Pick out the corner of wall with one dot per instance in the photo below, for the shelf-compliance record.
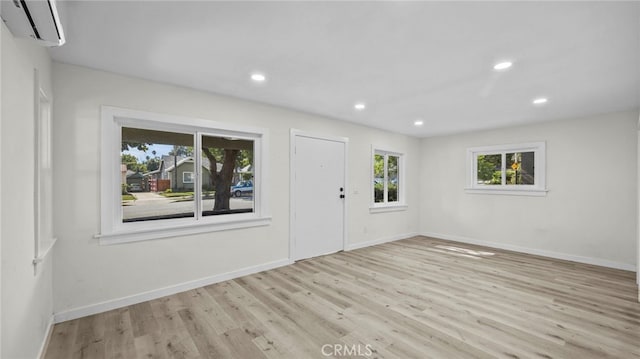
(2, 30)
(567, 223)
(638, 209)
(26, 296)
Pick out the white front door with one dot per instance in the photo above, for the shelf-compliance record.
(318, 175)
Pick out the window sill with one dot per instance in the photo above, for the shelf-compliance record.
(508, 192)
(197, 228)
(388, 208)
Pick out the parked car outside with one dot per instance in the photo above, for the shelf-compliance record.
(241, 188)
(135, 187)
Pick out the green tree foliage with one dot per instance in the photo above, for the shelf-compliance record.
(392, 174)
(490, 169)
(132, 163)
(129, 160)
(126, 145)
(378, 166)
(181, 151)
(378, 175)
(152, 163)
(245, 158)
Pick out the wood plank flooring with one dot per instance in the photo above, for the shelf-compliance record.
(415, 298)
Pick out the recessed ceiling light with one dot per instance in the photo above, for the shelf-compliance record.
(258, 77)
(502, 65)
(418, 122)
(540, 101)
(359, 106)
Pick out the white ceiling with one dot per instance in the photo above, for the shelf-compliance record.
(405, 60)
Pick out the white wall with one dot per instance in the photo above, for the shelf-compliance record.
(86, 273)
(589, 213)
(1, 36)
(27, 300)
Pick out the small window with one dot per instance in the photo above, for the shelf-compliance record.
(187, 177)
(507, 169)
(387, 180)
(176, 176)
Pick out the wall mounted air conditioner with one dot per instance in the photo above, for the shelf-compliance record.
(37, 19)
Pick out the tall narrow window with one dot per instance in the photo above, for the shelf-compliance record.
(175, 175)
(378, 178)
(387, 179)
(393, 162)
(43, 191)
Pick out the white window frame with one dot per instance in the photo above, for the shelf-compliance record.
(400, 205)
(114, 231)
(190, 175)
(43, 174)
(537, 189)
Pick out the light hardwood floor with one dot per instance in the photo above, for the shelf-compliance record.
(415, 298)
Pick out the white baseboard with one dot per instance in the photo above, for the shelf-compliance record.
(540, 252)
(162, 292)
(398, 237)
(47, 338)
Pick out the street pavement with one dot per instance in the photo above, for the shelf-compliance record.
(149, 204)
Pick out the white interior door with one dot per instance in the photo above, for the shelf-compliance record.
(318, 176)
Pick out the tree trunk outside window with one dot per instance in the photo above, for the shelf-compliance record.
(222, 180)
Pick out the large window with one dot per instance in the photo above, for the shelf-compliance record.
(507, 169)
(387, 180)
(166, 176)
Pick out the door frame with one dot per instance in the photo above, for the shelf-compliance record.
(292, 170)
